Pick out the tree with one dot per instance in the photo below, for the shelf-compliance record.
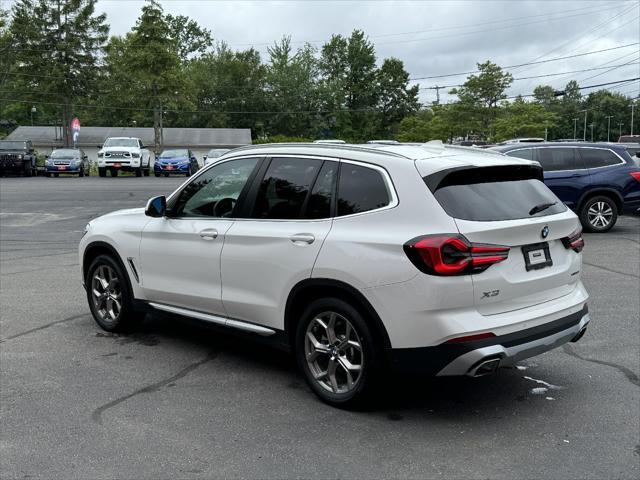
(187, 36)
(523, 119)
(480, 95)
(57, 43)
(292, 86)
(396, 99)
(348, 68)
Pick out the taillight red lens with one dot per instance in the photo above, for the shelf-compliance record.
(472, 338)
(635, 175)
(452, 254)
(574, 241)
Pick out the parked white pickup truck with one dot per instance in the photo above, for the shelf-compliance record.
(124, 153)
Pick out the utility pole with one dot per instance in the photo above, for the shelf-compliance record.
(609, 117)
(633, 105)
(157, 121)
(584, 131)
(437, 89)
(575, 128)
(591, 125)
(620, 124)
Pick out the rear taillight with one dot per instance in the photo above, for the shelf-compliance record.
(635, 175)
(574, 241)
(452, 254)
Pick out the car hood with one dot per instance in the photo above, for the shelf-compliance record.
(124, 212)
(119, 149)
(173, 159)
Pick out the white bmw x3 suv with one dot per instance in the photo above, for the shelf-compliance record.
(444, 260)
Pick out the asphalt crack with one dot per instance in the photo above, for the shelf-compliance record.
(611, 270)
(627, 372)
(42, 327)
(154, 387)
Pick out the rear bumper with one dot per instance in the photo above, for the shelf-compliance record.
(449, 359)
(55, 169)
(632, 206)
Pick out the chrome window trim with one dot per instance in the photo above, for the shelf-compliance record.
(622, 161)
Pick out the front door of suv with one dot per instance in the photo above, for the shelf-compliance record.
(180, 253)
(275, 245)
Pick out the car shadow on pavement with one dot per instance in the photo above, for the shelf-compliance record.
(494, 396)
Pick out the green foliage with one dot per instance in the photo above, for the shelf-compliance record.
(282, 139)
(523, 119)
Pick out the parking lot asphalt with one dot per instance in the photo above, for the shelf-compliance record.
(177, 401)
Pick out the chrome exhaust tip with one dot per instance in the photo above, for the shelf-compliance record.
(486, 367)
(579, 335)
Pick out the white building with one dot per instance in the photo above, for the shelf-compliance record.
(199, 140)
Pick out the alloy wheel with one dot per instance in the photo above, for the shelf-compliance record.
(333, 352)
(600, 215)
(106, 293)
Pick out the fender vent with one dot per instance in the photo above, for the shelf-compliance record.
(133, 268)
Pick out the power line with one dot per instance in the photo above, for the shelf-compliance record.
(529, 63)
(628, 80)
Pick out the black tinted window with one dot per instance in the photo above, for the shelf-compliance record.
(360, 189)
(558, 159)
(214, 193)
(526, 153)
(284, 188)
(319, 203)
(595, 157)
(493, 193)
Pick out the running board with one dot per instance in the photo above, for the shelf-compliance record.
(223, 321)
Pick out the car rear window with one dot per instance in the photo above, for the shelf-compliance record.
(488, 194)
(360, 189)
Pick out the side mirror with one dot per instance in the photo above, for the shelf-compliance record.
(204, 157)
(156, 207)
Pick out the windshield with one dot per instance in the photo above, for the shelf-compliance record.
(629, 139)
(217, 152)
(65, 154)
(174, 153)
(13, 146)
(121, 142)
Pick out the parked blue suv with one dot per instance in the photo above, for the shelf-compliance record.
(181, 161)
(599, 181)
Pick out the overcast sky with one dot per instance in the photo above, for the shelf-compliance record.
(436, 37)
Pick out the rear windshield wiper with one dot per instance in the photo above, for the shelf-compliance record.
(541, 207)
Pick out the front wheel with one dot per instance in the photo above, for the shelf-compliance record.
(102, 172)
(109, 296)
(598, 214)
(337, 353)
(28, 171)
(139, 172)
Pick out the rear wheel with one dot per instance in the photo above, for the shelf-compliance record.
(109, 296)
(336, 351)
(102, 172)
(599, 214)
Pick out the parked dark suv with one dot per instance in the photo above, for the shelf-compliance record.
(17, 156)
(599, 181)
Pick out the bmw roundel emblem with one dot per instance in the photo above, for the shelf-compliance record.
(545, 232)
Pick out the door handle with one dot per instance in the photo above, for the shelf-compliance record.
(302, 238)
(209, 234)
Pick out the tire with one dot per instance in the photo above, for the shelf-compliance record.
(102, 172)
(114, 172)
(337, 390)
(28, 170)
(146, 172)
(139, 172)
(599, 214)
(81, 172)
(109, 295)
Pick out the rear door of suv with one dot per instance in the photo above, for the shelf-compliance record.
(276, 239)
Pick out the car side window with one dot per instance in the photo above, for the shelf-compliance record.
(284, 188)
(360, 189)
(322, 193)
(596, 157)
(215, 192)
(526, 153)
(555, 159)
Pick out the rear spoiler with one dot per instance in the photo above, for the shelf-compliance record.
(473, 174)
